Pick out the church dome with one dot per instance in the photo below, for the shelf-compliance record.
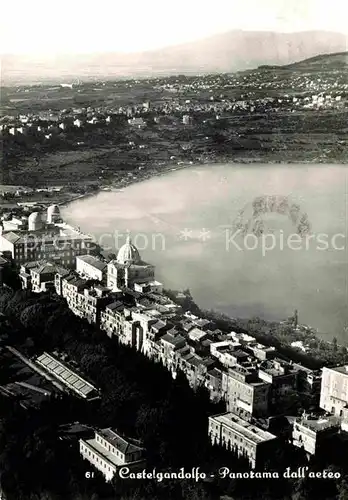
(34, 217)
(35, 221)
(53, 213)
(128, 253)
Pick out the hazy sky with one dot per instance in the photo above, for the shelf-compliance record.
(39, 26)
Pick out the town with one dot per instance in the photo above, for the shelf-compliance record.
(266, 401)
(128, 130)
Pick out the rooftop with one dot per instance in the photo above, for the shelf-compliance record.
(122, 444)
(317, 424)
(248, 430)
(340, 369)
(93, 261)
(214, 372)
(173, 340)
(45, 268)
(197, 334)
(104, 453)
(66, 375)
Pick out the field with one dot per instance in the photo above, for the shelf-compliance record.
(265, 115)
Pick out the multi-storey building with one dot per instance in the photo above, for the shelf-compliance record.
(46, 240)
(85, 301)
(308, 384)
(310, 432)
(194, 367)
(108, 451)
(244, 392)
(230, 356)
(90, 267)
(234, 433)
(153, 347)
(213, 383)
(38, 276)
(3, 264)
(170, 344)
(197, 335)
(283, 380)
(113, 318)
(261, 352)
(334, 390)
(59, 278)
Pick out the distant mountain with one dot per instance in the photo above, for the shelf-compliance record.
(227, 52)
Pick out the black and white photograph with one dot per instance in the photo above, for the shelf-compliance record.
(174, 250)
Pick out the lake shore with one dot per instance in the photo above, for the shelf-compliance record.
(210, 200)
(145, 174)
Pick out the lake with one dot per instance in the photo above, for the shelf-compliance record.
(291, 252)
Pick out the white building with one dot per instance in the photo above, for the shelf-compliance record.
(334, 390)
(310, 432)
(232, 432)
(108, 451)
(45, 238)
(90, 267)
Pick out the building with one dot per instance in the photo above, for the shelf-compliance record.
(42, 240)
(311, 433)
(197, 335)
(234, 433)
(187, 120)
(283, 380)
(90, 267)
(83, 298)
(38, 276)
(244, 392)
(213, 383)
(194, 367)
(108, 451)
(69, 379)
(61, 273)
(137, 122)
(261, 351)
(3, 264)
(150, 286)
(113, 318)
(15, 224)
(128, 269)
(229, 354)
(334, 390)
(171, 344)
(309, 384)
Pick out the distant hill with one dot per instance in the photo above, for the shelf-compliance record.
(338, 60)
(223, 53)
(327, 62)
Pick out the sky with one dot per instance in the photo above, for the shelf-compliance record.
(81, 26)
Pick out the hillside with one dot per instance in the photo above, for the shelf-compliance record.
(338, 60)
(223, 53)
(322, 62)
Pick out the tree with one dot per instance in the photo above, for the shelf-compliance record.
(342, 489)
(10, 278)
(34, 316)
